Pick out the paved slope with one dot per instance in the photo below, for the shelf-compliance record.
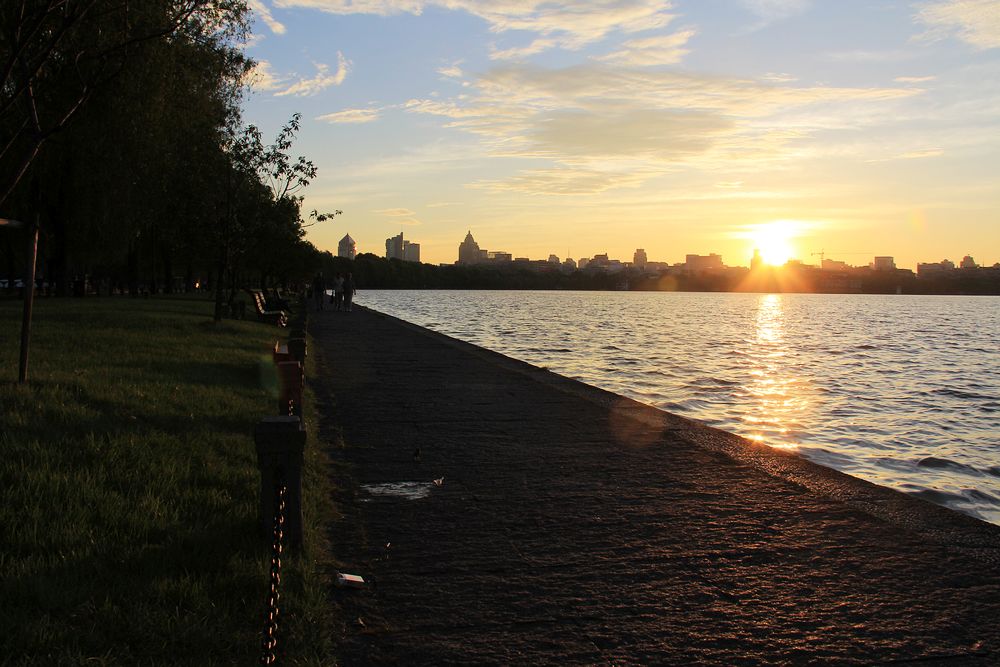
(574, 527)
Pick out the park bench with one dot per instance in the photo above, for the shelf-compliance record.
(265, 314)
(280, 352)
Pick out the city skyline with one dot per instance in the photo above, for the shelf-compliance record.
(856, 129)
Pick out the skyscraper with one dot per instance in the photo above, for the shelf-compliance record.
(639, 259)
(468, 250)
(347, 247)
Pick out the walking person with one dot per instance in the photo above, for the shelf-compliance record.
(349, 290)
(338, 292)
(319, 290)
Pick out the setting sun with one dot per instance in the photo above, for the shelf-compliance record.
(773, 239)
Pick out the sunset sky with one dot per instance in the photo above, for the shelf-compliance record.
(854, 128)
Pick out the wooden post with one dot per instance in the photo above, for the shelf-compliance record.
(29, 299)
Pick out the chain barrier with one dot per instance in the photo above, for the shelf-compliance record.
(269, 655)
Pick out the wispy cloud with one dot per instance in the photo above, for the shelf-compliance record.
(395, 212)
(452, 71)
(350, 116)
(976, 22)
(261, 9)
(660, 50)
(570, 24)
(519, 52)
(603, 126)
(911, 155)
(322, 80)
(914, 79)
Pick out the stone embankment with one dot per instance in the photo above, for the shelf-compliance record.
(571, 526)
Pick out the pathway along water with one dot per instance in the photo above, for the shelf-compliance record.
(903, 391)
(565, 525)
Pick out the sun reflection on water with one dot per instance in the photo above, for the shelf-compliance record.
(777, 397)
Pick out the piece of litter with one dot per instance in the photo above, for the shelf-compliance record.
(350, 580)
(439, 481)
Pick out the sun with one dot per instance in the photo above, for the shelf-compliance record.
(773, 239)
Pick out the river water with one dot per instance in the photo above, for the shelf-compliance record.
(903, 391)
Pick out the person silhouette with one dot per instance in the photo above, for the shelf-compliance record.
(349, 290)
(319, 290)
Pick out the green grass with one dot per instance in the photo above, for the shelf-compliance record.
(129, 490)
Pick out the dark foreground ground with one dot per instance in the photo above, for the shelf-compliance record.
(574, 527)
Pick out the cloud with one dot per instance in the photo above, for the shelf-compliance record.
(321, 81)
(976, 22)
(442, 204)
(408, 222)
(262, 77)
(595, 123)
(451, 71)
(570, 24)
(661, 50)
(261, 9)
(351, 116)
(914, 79)
(395, 212)
(519, 52)
(911, 155)
(562, 181)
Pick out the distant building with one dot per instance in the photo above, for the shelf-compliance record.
(394, 247)
(347, 247)
(468, 251)
(832, 265)
(499, 257)
(582, 264)
(756, 261)
(639, 259)
(569, 264)
(928, 269)
(553, 259)
(398, 248)
(411, 251)
(968, 263)
(883, 264)
(697, 263)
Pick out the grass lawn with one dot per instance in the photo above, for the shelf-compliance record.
(129, 490)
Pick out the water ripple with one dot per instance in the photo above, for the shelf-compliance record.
(900, 390)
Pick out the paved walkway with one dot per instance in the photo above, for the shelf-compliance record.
(574, 527)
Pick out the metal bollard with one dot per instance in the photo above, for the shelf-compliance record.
(280, 443)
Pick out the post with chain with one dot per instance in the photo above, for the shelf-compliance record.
(280, 442)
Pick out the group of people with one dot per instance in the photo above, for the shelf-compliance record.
(341, 294)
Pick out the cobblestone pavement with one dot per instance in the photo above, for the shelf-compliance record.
(575, 527)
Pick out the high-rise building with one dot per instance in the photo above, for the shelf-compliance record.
(883, 264)
(553, 259)
(639, 258)
(411, 251)
(468, 251)
(582, 264)
(394, 247)
(347, 247)
(756, 261)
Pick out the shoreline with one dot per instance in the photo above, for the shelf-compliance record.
(881, 501)
(576, 526)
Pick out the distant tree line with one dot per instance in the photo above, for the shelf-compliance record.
(121, 135)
